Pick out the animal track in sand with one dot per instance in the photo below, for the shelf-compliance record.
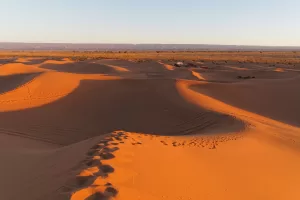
(210, 142)
(90, 183)
(198, 141)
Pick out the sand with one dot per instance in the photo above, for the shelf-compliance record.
(114, 129)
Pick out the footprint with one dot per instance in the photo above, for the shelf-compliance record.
(106, 195)
(105, 141)
(84, 180)
(97, 146)
(106, 169)
(110, 192)
(91, 181)
(92, 152)
(97, 196)
(213, 146)
(93, 162)
(106, 155)
(134, 143)
(100, 181)
(117, 138)
(114, 143)
(108, 184)
(113, 149)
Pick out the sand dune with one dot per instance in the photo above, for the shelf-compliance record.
(166, 114)
(198, 75)
(118, 68)
(43, 89)
(30, 61)
(19, 68)
(279, 94)
(113, 129)
(167, 66)
(79, 68)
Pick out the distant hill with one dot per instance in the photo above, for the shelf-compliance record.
(137, 47)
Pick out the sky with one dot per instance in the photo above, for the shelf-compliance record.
(233, 22)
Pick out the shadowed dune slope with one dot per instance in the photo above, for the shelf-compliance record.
(230, 75)
(32, 170)
(30, 61)
(149, 106)
(10, 82)
(151, 69)
(276, 99)
(79, 68)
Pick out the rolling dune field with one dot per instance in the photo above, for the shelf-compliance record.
(103, 129)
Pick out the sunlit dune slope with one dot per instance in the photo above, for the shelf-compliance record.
(19, 68)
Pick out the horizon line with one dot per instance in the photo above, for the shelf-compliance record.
(245, 45)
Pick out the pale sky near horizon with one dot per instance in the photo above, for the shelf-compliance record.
(237, 22)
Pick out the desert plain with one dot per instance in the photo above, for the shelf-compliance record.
(124, 125)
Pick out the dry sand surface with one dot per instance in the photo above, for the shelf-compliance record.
(116, 129)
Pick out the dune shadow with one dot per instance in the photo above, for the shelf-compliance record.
(35, 61)
(29, 61)
(97, 107)
(84, 67)
(6, 60)
(261, 98)
(149, 67)
(11, 82)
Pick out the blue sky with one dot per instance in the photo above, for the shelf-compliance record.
(251, 22)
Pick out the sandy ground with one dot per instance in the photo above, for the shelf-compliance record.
(114, 129)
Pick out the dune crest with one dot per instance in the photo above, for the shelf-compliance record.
(19, 68)
(44, 89)
(198, 75)
(118, 68)
(167, 66)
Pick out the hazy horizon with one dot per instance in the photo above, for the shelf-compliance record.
(139, 47)
(95, 43)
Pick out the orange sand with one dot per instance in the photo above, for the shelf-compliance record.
(113, 129)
